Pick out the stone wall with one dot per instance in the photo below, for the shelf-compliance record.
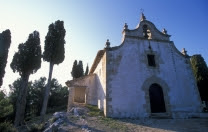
(100, 72)
(129, 77)
(89, 84)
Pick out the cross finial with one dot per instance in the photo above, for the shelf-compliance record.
(142, 17)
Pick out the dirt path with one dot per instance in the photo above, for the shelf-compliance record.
(97, 124)
(93, 122)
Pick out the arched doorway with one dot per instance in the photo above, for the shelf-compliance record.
(157, 102)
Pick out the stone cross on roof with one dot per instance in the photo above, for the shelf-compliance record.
(142, 17)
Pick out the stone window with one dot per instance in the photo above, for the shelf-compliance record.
(151, 60)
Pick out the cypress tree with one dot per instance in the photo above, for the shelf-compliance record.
(5, 41)
(201, 74)
(74, 70)
(54, 53)
(87, 70)
(80, 69)
(26, 61)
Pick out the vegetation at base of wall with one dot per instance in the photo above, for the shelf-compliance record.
(94, 111)
(109, 122)
(113, 124)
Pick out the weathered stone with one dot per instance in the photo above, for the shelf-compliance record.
(121, 76)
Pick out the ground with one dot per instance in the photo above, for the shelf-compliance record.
(90, 119)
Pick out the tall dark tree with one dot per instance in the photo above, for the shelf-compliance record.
(26, 61)
(80, 67)
(74, 70)
(5, 41)
(53, 53)
(201, 74)
(87, 70)
(77, 70)
(13, 95)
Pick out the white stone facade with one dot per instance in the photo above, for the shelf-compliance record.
(123, 76)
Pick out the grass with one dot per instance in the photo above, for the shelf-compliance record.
(109, 122)
(113, 124)
(36, 127)
(94, 111)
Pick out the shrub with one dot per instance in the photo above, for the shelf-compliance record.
(36, 127)
(7, 127)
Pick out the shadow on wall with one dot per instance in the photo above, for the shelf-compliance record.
(100, 94)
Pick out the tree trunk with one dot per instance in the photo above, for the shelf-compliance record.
(21, 101)
(46, 94)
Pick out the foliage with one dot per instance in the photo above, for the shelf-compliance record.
(80, 67)
(6, 107)
(14, 88)
(86, 71)
(7, 127)
(54, 43)
(94, 111)
(74, 72)
(77, 70)
(36, 127)
(13, 95)
(35, 97)
(28, 58)
(113, 124)
(58, 96)
(5, 41)
(53, 53)
(110, 122)
(201, 74)
(26, 61)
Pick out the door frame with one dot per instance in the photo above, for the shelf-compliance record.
(145, 87)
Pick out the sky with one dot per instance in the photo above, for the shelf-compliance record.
(89, 23)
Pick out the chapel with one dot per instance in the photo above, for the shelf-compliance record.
(144, 76)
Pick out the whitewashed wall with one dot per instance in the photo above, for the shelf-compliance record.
(100, 72)
(128, 70)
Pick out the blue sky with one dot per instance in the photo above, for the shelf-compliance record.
(89, 23)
